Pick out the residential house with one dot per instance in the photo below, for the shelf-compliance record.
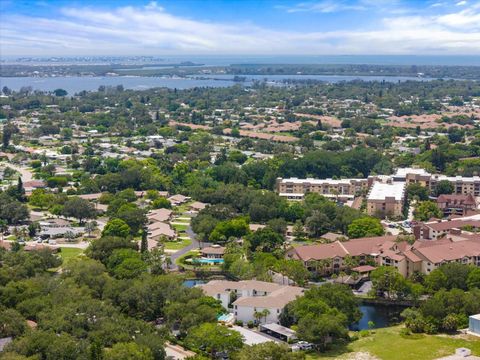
(213, 252)
(178, 199)
(159, 215)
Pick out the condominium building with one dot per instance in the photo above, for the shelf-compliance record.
(248, 297)
(423, 256)
(295, 189)
(386, 199)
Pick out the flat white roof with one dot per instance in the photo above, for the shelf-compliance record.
(321, 181)
(456, 178)
(476, 317)
(380, 191)
(402, 172)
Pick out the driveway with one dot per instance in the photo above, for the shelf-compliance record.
(252, 337)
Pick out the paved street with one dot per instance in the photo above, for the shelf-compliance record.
(26, 174)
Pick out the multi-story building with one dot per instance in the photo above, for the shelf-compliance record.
(386, 199)
(248, 297)
(423, 256)
(456, 204)
(295, 189)
(462, 185)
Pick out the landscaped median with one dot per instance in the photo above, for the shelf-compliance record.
(393, 343)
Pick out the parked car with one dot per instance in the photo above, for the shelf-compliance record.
(52, 242)
(304, 345)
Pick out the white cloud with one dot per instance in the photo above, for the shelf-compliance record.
(151, 30)
(326, 6)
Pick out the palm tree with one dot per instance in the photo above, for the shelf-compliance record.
(90, 227)
(69, 236)
(3, 228)
(258, 315)
(265, 313)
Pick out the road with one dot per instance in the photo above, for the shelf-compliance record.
(177, 352)
(26, 174)
(194, 245)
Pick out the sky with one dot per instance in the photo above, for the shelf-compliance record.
(239, 27)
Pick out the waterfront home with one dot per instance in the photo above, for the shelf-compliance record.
(213, 252)
(252, 300)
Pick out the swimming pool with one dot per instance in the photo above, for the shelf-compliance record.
(208, 261)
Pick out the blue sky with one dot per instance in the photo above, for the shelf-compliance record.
(239, 27)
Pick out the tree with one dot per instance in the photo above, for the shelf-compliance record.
(133, 216)
(417, 192)
(101, 249)
(298, 230)
(128, 351)
(40, 198)
(443, 187)
(427, 210)
(268, 351)
(78, 208)
(90, 227)
(116, 227)
(155, 260)
(161, 203)
(473, 279)
(12, 211)
(144, 241)
(60, 92)
(387, 281)
(12, 323)
(317, 224)
(365, 227)
(322, 330)
(214, 338)
(230, 228)
(265, 240)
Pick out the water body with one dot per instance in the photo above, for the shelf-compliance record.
(381, 315)
(457, 60)
(193, 282)
(75, 84)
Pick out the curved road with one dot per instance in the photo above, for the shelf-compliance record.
(26, 174)
(194, 245)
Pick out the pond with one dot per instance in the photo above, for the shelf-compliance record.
(381, 316)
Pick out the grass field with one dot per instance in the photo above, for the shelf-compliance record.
(389, 344)
(69, 253)
(177, 245)
(179, 227)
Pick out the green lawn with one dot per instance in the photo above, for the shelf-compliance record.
(178, 227)
(177, 245)
(389, 344)
(69, 253)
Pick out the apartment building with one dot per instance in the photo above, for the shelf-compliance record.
(462, 185)
(295, 189)
(330, 258)
(386, 199)
(423, 256)
(434, 230)
(248, 297)
(457, 204)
